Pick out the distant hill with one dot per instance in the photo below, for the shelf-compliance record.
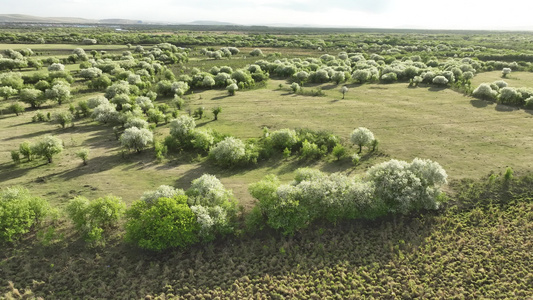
(17, 18)
(210, 23)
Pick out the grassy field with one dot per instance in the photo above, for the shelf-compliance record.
(515, 79)
(468, 137)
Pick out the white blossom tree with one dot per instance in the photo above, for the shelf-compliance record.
(362, 137)
(136, 139)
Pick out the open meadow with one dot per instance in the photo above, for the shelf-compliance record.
(137, 126)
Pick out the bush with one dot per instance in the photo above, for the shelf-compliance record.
(162, 224)
(92, 218)
(510, 95)
(182, 127)
(484, 91)
(283, 138)
(232, 88)
(17, 108)
(202, 139)
(19, 212)
(403, 187)
(163, 191)
(440, 80)
(339, 151)
(83, 154)
(63, 118)
(229, 152)
(311, 151)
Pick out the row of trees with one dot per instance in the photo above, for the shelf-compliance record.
(170, 218)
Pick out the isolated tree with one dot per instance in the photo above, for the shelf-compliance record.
(16, 108)
(505, 72)
(83, 154)
(63, 118)
(216, 111)
(48, 147)
(136, 139)
(362, 137)
(232, 88)
(344, 90)
(33, 97)
(295, 87)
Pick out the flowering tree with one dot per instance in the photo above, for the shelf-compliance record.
(344, 90)
(362, 137)
(182, 127)
(105, 113)
(440, 80)
(484, 91)
(59, 92)
(136, 139)
(56, 67)
(163, 191)
(228, 152)
(404, 187)
(505, 72)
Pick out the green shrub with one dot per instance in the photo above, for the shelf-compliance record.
(311, 151)
(15, 156)
(92, 218)
(283, 138)
(19, 212)
(162, 224)
(339, 151)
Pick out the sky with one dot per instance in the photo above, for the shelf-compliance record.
(418, 14)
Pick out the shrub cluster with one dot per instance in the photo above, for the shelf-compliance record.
(19, 212)
(391, 187)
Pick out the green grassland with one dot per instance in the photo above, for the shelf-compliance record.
(477, 246)
(468, 137)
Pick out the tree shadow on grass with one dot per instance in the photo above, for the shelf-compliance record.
(478, 103)
(10, 171)
(221, 97)
(505, 108)
(437, 88)
(30, 135)
(94, 165)
(204, 123)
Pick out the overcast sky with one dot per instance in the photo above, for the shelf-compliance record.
(430, 14)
